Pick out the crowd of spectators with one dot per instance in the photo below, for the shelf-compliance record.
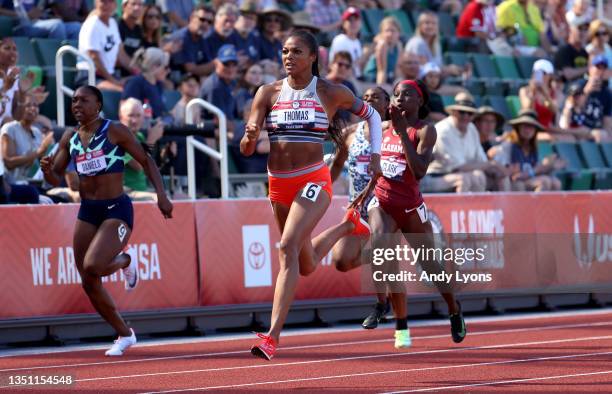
(223, 51)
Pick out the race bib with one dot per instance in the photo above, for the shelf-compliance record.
(393, 169)
(363, 161)
(295, 117)
(91, 162)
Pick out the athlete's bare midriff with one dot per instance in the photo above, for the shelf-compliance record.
(287, 156)
(101, 187)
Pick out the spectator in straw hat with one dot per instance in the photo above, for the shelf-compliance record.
(487, 121)
(460, 164)
(270, 22)
(520, 154)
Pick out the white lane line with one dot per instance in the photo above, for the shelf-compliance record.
(352, 358)
(500, 382)
(4, 353)
(442, 367)
(364, 342)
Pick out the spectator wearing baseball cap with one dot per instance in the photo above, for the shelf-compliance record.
(348, 40)
(598, 116)
(571, 59)
(218, 87)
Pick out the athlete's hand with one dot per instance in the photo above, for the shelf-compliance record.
(398, 119)
(251, 131)
(46, 163)
(375, 170)
(165, 206)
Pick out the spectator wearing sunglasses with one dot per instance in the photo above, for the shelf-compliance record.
(340, 71)
(571, 59)
(459, 162)
(271, 21)
(194, 57)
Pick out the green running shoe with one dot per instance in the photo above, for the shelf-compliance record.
(402, 338)
(458, 329)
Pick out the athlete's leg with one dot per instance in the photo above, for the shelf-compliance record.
(301, 220)
(100, 260)
(425, 233)
(384, 228)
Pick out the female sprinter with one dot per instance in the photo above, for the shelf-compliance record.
(398, 204)
(356, 148)
(105, 219)
(297, 112)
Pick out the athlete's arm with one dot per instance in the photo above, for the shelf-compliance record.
(346, 100)
(417, 159)
(123, 137)
(342, 154)
(54, 167)
(259, 110)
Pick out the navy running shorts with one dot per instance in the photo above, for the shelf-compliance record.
(97, 211)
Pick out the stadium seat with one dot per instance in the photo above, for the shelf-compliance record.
(447, 24)
(514, 105)
(448, 100)
(525, 65)
(581, 178)
(499, 103)
(595, 161)
(372, 17)
(606, 150)
(544, 149)
(404, 21)
(475, 87)
(171, 97)
(484, 66)
(506, 67)
(494, 87)
(365, 34)
(6, 26)
(45, 49)
(111, 104)
(458, 58)
(27, 55)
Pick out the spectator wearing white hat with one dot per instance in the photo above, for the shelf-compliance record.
(348, 41)
(541, 96)
(459, 162)
(582, 12)
(571, 59)
(431, 74)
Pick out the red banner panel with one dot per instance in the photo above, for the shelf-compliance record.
(39, 276)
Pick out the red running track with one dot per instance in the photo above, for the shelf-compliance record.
(569, 353)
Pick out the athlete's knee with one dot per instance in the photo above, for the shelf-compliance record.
(90, 268)
(307, 269)
(343, 266)
(88, 282)
(289, 250)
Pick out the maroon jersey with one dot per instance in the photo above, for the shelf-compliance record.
(397, 186)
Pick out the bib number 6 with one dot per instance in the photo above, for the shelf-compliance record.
(311, 191)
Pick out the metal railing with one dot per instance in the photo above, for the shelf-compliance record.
(192, 143)
(60, 89)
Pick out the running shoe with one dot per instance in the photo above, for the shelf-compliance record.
(458, 329)
(372, 320)
(130, 273)
(362, 228)
(121, 344)
(266, 348)
(402, 338)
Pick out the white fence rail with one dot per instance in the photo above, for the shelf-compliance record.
(62, 90)
(192, 144)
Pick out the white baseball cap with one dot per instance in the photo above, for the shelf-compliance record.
(544, 66)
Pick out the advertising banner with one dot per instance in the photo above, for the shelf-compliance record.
(38, 273)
